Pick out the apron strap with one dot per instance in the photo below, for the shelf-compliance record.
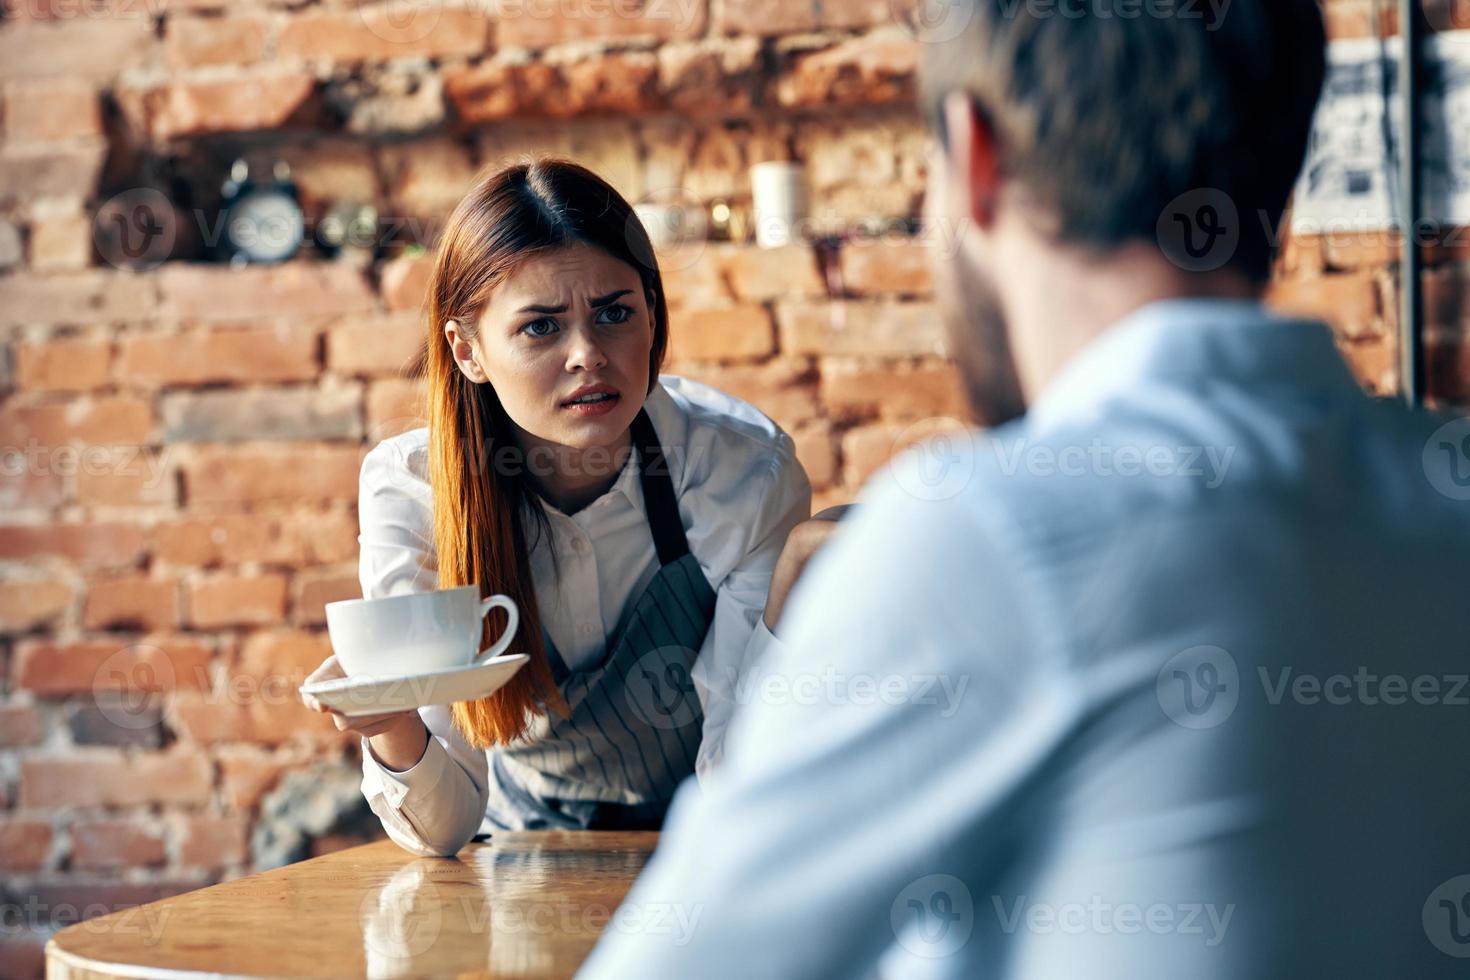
(659, 499)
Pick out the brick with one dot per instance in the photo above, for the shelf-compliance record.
(92, 545)
(313, 537)
(870, 329)
(816, 447)
(20, 724)
(132, 603)
(739, 333)
(94, 49)
(12, 254)
(426, 179)
(116, 718)
(127, 477)
(801, 16)
(375, 346)
(236, 600)
(603, 84)
(30, 481)
(329, 170)
(405, 282)
(710, 76)
(51, 110)
(394, 406)
(291, 289)
(877, 68)
(156, 665)
(194, 42)
(115, 844)
(31, 171)
(757, 275)
(381, 33)
(866, 450)
(248, 772)
(719, 164)
(227, 539)
(92, 296)
(877, 268)
(282, 414)
(67, 364)
(28, 603)
(297, 474)
(784, 389)
(61, 244)
(1349, 302)
(234, 354)
(314, 589)
(214, 842)
(255, 101)
(279, 660)
(856, 391)
(106, 777)
(532, 24)
(328, 537)
(119, 420)
(258, 715)
(24, 844)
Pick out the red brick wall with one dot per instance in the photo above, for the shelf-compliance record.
(182, 443)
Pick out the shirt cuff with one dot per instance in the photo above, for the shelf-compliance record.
(414, 783)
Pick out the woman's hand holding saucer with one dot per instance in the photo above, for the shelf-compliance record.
(367, 726)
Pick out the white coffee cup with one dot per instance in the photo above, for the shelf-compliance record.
(416, 633)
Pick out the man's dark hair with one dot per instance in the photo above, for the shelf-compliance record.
(1108, 111)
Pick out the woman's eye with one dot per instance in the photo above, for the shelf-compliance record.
(540, 328)
(616, 313)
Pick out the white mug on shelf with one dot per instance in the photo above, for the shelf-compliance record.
(779, 197)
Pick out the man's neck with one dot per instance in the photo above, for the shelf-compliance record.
(1059, 301)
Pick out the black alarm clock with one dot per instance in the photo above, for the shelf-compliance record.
(263, 222)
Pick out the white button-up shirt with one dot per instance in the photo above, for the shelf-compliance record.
(740, 490)
(1166, 679)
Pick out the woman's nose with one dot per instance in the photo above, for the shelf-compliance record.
(585, 354)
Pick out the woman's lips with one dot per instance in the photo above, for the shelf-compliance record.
(592, 409)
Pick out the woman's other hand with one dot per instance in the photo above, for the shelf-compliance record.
(804, 541)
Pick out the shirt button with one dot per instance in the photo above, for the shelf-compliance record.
(580, 546)
(588, 629)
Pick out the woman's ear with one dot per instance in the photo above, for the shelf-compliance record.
(463, 353)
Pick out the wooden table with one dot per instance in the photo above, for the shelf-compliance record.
(521, 905)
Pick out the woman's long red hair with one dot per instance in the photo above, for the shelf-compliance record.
(480, 509)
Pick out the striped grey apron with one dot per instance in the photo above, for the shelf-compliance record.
(635, 721)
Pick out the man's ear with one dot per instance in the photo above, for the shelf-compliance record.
(463, 352)
(974, 160)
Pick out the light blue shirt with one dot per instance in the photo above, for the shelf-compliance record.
(1166, 679)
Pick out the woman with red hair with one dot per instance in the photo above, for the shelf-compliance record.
(635, 519)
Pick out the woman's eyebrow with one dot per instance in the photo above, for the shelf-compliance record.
(596, 301)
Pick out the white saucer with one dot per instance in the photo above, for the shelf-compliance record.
(400, 692)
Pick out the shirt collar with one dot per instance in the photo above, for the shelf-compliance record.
(1190, 340)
